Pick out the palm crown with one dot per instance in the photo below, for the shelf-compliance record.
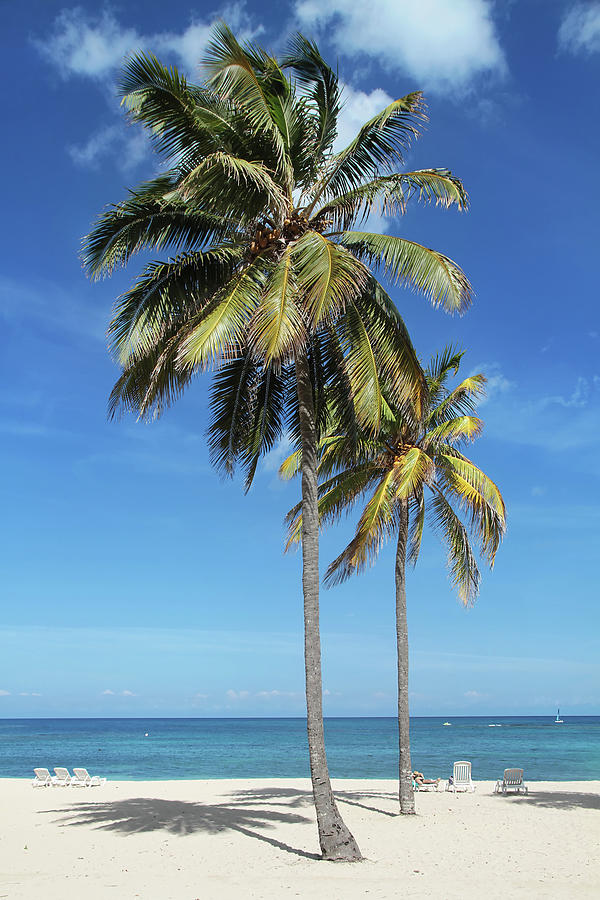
(258, 210)
(416, 459)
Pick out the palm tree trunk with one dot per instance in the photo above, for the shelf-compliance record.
(405, 788)
(337, 843)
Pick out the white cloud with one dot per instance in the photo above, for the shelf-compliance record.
(127, 694)
(86, 45)
(443, 46)
(237, 695)
(4, 693)
(579, 397)
(275, 694)
(579, 31)
(130, 148)
(474, 695)
(497, 383)
(94, 46)
(108, 692)
(358, 108)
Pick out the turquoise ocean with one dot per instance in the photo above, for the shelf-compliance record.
(153, 749)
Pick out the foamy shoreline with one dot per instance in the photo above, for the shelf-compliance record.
(256, 838)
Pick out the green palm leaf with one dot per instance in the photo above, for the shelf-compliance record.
(438, 277)
(277, 328)
(219, 331)
(378, 147)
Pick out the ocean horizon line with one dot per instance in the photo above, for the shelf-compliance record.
(492, 715)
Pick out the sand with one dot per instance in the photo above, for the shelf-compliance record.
(198, 840)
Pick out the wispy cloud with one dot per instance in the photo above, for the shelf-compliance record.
(4, 693)
(580, 397)
(443, 46)
(94, 45)
(579, 30)
(497, 383)
(130, 148)
(237, 695)
(108, 693)
(554, 422)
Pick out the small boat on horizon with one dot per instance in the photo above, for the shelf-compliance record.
(558, 720)
(447, 723)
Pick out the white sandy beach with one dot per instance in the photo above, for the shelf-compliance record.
(198, 840)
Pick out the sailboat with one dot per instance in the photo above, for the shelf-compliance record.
(558, 720)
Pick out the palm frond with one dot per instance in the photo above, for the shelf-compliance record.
(478, 496)
(233, 71)
(219, 331)
(145, 221)
(322, 85)
(389, 195)
(377, 149)
(165, 294)
(377, 522)
(453, 431)
(462, 400)
(232, 186)
(277, 327)
(412, 468)
(464, 571)
(328, 276)
(441, 280)
(231, 405)
(267, 427)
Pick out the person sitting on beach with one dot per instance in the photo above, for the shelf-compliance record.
(420, 779)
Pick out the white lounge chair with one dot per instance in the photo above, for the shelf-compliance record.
(63, 778)
(461, 777)
(43, 778)
(512, 781)
(82, 778)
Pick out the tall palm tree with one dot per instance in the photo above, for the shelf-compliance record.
(269, 286)
(412, 467)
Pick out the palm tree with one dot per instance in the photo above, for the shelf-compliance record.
(268, 285)
(413, 466)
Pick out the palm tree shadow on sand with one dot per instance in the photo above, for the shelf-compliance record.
(177, 817)
(555, 799)
(296, 799)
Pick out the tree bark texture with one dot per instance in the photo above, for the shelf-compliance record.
(405, 782)
(337, 843)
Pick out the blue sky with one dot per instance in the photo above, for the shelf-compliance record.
(134, 581)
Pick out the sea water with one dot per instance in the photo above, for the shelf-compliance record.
(277, 748)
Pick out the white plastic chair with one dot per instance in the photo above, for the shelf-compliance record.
(43, 778)
(461, 777)
(82, 778)
(63, 778)
(512, 781)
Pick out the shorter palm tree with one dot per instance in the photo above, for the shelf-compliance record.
(412, 469)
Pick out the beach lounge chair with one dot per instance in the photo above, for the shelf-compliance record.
(461, 777)
(512, 781)
(43, 778)
(82, 778)
(63, 778)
